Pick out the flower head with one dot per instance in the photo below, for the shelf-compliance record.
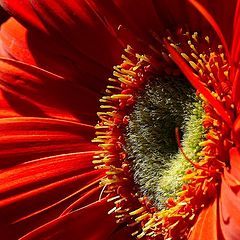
(159, 160)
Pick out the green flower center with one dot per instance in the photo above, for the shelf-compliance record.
(158, 167)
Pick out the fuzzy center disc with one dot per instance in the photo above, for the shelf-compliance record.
(164, 104)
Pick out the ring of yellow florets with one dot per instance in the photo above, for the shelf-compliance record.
(202, 181)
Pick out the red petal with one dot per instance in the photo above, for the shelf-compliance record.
(235, 55)
(13, 38)
(73, 25)
(235, 163)
(236, 35)
(36, 48)
(25, 139)
(5, 108)
(32, 91)
(236, 131)
(179, 13)
(91, 222)
(206, 226)
(139, 18)
(35, 190)
(41, 190)
(123, 232)
(102, 20)
(229, 212)
(27, 12)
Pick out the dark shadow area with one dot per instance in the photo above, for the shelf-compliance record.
(3, 15)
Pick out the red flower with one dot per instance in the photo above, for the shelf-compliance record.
(56, 58)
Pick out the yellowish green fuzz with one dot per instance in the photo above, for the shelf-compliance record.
(151, 143)
(172, 177)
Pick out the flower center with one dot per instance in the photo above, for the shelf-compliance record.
(165, 103)
(145, 101)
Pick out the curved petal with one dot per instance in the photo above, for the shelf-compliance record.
(221, 220)
(47, 52)
(229, 211)
(230, 198)
(77, 225)
(72, 25)
(31, 91)
(207, 224)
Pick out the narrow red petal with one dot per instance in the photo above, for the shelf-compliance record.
(235, 55)
(82, 200)
(32, 91)
(91, 222)
(41, 190)
(25, 139)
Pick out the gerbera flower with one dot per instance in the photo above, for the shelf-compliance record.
(162, 159)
